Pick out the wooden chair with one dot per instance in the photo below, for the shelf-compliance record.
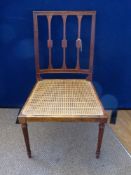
(63, 100)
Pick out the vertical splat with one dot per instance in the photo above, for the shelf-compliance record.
(64, 41)
(49, 42)
(78, 41)
(92, 41)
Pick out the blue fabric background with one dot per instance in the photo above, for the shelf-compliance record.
(112, 66)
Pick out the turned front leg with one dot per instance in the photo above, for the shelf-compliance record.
(26, 138)
(100, 137)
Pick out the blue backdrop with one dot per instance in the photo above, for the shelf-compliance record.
(112, 66)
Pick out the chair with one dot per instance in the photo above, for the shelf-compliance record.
(63, 100)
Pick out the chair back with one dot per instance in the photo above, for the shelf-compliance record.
(64, 43)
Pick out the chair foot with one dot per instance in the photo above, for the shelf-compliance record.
(29, 154)
(100, 137)
(26, 138)
(97, 155)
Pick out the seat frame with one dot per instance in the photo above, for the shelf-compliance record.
(101, 119)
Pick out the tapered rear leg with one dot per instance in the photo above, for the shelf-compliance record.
(26, 138)
(100, 137)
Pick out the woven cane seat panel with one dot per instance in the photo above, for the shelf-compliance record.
(63, 97)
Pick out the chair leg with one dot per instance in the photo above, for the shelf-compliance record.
(26, 138)
(100, 137)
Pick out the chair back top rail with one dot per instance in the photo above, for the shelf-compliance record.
(64, 69)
